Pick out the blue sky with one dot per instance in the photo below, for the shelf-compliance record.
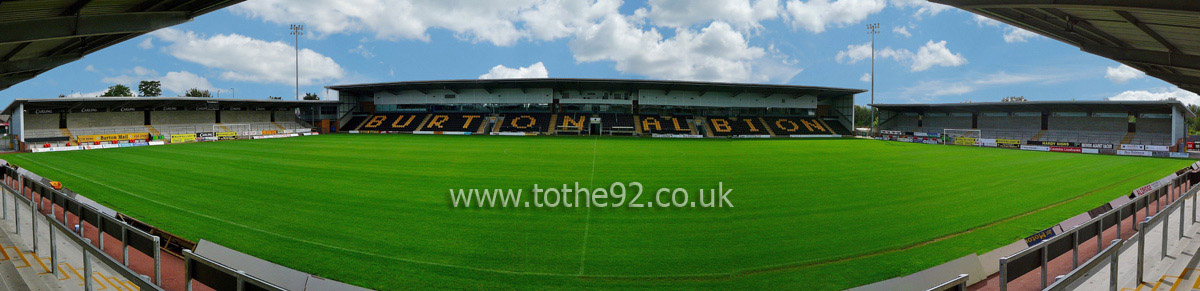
(925, 52)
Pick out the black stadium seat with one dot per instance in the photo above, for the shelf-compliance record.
(616, 123)
(666, 125)
(352, 123)
(393, 122)
(468, 122)
(797, 125)
(731, 126)
(525, 122)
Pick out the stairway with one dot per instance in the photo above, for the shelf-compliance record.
(637, 125)
(1128, 137)
(281, 128)
(152, 130)
(1038, 135)
(553, 119)
(67, 132)
(767, 126)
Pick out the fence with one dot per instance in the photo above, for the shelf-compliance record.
(1037, 257)
(957, 284)
(66, 217)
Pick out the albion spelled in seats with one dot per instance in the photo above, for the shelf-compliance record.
(393, 122)
(455, 122)
(797, 125)
(733, 126)
(525, 122)
(665, 124)
(572, 123)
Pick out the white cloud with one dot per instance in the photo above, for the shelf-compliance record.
(180, 82)
(1160, 94)
(900, 30)
(936, 88)
(175, 82)
(146, 44)
(242, 58)
(923, 7)
(815, 15)
(91, 68)
(866, 78)
(88, 94)
(715, 53)
(744, 14)
(710, 39)
(930, 55)
(536, 70)
(1122, 74)
(1003, 78)
(936, 54)
(362, 51)
(1011, 33)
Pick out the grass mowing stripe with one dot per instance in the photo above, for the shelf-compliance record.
(382, 198)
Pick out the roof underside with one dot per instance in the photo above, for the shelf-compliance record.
(39, 35)
(593, 84)
(1161, 38)
(1044, 106)
(111, 103)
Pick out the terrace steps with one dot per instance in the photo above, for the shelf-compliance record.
(1128, 137)
(637, 125)
(767, 126)
(152, 130)
(424, 121)
(553, 121)
(1038, 135)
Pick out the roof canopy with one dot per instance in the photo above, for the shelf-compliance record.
(1160, 37)
(1044, 106)
(593, 84)
(39, 35)
(113, 104)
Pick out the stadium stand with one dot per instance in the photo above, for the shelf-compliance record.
(525, 122)
(789, 125)
(735, 126)
(665, 125)
(456, 122)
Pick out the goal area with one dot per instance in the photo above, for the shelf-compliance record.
(961, 136)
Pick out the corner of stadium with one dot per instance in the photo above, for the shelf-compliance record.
(585, 184)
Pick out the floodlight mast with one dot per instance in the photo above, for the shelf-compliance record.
(873, 29)
(297, 30)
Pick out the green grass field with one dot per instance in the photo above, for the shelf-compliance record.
(374, 210)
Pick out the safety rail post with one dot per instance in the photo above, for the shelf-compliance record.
(53, 250)
(33, 214)
(1120, 221)
(1074, 249)
(124, 245)
(87, 268)
(1165, 230)
(1182, 206)
(157, 262)
(1141, 258)
(1003, 274)
(1082, 272)
(1043, 267)
(1112, 276)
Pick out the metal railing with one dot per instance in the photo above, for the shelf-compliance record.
(957, 284)
(1111, 253)
(89, 250)
(215, 276)
(1038, 256)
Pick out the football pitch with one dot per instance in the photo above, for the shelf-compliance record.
(376, 211)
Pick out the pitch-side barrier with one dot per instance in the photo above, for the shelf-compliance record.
(74, 221)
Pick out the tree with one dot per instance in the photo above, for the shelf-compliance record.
(862, 115)
(193, 92)
(1014, 99)
(118, 90)
(311, 96)
(150, 88)
(1194, 127)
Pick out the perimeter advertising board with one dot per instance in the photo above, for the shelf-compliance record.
(112, 137)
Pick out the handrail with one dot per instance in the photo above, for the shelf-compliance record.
(241, 276)
(142, 282)
(1086, 268)
(957, 284)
